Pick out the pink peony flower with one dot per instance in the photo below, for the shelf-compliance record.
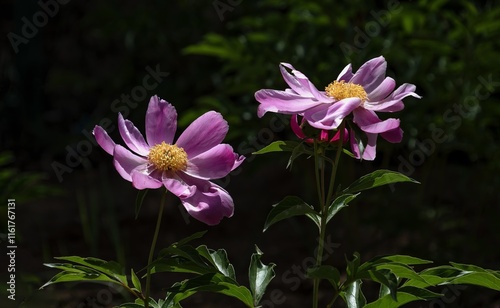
(185, 167)
(363, 93)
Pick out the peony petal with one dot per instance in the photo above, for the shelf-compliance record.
(383, 90)
(161, 121)
(294, 124)
(212, 164)
(203, 134)
(336, 137)
(369, 122)
(103, 139)
(300, 84)
(132, 136)
(364, 151)
(329, 116)
(125, 161)
(283, 102)
(393, 135)
(238, 160)
(394, 101)
(210, 204)
(346, 74)
(370, 74)
(142, 179)
(178, 186)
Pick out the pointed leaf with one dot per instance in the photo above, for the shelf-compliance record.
(68, 267)
(135, 280)
(353, 266)
(110, 268)
(401, 259)
(327, 272)
(383, 277)
(180, 265)
(219, 260)
(278, 146)
(353, 296)
(72, 276)
(296, 152)
(259, 275)
(404, 295)
(443, 271)
(482, 279)
(375, 179)
(286, 208)
(190, 238)
(339, 203)
(401, 271)
(215, 282)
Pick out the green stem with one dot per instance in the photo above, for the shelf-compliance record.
(336, 164)
(152, 250)
(324, 203)
(317, 173)
(320, 181)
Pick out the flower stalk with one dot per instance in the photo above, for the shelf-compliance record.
(325, 201)
(152, 250)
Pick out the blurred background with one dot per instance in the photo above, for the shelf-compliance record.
(68, 65)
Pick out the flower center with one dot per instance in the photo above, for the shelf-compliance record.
(168, 157)
(340, 90)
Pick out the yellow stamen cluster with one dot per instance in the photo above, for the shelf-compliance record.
(340, 90)
(168, 157)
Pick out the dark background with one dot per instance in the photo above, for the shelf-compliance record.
(61, 78)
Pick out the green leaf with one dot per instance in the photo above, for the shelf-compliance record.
(66, 276)
(180, 265)
(353, 296)
(443, 271)
(190, 238)
(482, 279)
(327, 272)
(296, 152)
(401, 271)
(219, 260)
(278, 146)
(259, 275)
(139, 200)
(404, 295)
(375, 179)
(186, 251)
(401, 259)
(339, 203)
(286, 208)
(68, 267)
(215, 282)
(353, 266)
(109, 268)
(135, 280)
(429, 281)
(382, 277)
